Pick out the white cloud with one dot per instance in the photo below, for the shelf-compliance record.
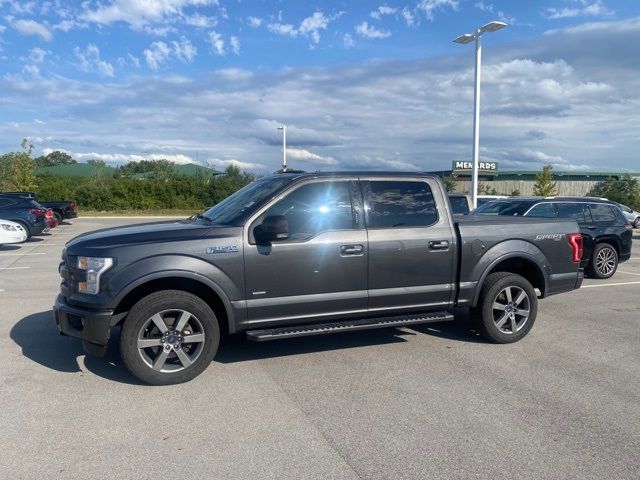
(383, 10)
(429, 7)
(409, 18)
(89, 59)
(369, 31)
(31, 27)
(184, 50)
(595, 9)
(124, 158)
(347, 40)
(200, 21)
(235, 45)
(283, 29)
(217, 43)
(31, 70)
(306, 155)
(140, 12)
(309, 27)
(36, 55)
(157, 54)
(254, 22)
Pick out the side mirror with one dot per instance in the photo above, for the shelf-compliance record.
(273, 227)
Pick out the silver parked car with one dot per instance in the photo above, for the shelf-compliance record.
(631, 215)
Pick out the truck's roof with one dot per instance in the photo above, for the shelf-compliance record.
(354, 173)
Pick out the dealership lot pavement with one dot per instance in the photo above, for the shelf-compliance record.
(427, 402)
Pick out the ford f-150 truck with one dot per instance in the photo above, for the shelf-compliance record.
(298, 254)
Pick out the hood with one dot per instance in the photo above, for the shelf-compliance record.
(166, 231)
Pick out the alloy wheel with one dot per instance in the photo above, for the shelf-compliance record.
(171, 340)
(511, 309)
(606, 261)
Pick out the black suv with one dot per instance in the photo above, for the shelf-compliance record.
(25, 211)
(606, 232)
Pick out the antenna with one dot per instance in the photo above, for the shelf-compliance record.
(284, 147)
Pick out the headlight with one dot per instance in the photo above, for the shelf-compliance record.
(94, 268)
(9, 228)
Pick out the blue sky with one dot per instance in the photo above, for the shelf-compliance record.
(359, 84)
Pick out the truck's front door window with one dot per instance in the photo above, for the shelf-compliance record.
(397, 204)
(316, 208)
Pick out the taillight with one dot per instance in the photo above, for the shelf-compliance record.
(72, 206)
(36, 211)
(575, 240)
(48, 213)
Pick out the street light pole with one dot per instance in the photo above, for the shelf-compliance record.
(284, 147)
(476, 122)
(467, 38)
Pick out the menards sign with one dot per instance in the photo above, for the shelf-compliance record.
(466, 168)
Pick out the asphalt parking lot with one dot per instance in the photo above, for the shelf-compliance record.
(427, 402)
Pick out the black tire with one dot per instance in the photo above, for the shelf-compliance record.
(636, 224)
(604, 261)
(58, 217)
(493, 291)
(142, 325)
(25, 226)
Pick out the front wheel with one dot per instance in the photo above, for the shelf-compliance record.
(604, 261)
(507, 308)
(636, 224)
(169, 337)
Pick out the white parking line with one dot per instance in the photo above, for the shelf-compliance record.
(14, 268)
(628, 273)
(20, 254)
(609, 285)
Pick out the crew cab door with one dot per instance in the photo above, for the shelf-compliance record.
(411, 244)
(320, 270)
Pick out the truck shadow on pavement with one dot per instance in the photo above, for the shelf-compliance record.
(38, 337)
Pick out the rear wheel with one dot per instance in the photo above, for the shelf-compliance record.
(169, 337)
(58, 217)
(507, 308)
(604, 261)
(636, 224)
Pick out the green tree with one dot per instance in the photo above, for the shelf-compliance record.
(625, 191)
(54, 159)
(18, 169)
(449, 184)
(544, 185)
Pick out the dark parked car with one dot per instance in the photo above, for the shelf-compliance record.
(62, 210)
(461, 204)
(606, 233)
(308, 254)
(25, 211)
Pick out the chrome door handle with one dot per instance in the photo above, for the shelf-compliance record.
(439, 245)
(351, 250)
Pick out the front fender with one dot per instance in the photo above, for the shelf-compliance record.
(181, 266)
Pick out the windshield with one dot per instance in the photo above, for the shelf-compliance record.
(511, 207)
(233, 208)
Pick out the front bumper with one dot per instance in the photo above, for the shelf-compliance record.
(92, 326)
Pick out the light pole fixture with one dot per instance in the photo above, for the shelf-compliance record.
(284, 147)
(467, 38)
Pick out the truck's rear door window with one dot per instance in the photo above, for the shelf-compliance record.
(396, 204)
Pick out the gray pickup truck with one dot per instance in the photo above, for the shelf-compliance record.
(307, 254)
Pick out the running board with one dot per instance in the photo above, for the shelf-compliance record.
(266, 334)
